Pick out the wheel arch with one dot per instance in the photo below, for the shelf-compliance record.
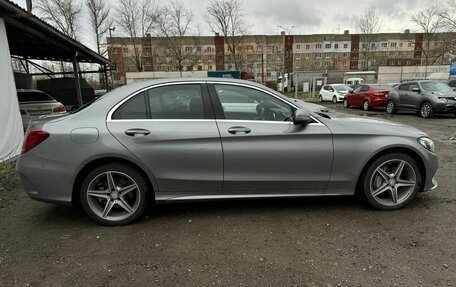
(415, 155)
(102, 161)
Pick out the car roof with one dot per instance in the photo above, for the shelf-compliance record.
(29, 91)
(136, 86)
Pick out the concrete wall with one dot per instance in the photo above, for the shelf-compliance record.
(389, 74)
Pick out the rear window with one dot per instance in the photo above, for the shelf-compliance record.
(382, 88)
(33, 97)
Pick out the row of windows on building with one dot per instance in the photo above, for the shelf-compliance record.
(385, 45)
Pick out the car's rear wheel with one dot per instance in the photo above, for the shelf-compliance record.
(346, 104)
(426, 110)
(391, 181)
(391, 107)
(334, 100)
(114, 194)
(321, 99)
(366, 106)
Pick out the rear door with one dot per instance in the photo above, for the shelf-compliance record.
(264, 152)
(172, 130)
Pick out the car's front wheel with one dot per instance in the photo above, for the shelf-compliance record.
(390, 107)
(334, 100)
(426, 110)
(366, 106)
(391, 181)
(114, 194)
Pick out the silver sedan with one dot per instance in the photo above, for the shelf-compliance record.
(212, 139)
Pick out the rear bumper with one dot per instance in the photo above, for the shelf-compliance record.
(378, 102)
(46, 180)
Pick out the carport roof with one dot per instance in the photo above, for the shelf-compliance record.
(32, 38)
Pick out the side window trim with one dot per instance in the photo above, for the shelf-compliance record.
(208, 110)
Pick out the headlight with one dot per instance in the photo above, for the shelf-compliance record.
(443, 100)
(427, 143)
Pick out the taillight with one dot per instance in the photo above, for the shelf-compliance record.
(60, 109)
(33, 139)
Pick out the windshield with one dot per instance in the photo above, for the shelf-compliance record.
(342, 88)
(382, 88)
(436, 87)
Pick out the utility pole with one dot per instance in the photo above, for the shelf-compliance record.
(109, 48)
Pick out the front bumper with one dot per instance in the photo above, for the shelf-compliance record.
(431, 165)
(445, 108)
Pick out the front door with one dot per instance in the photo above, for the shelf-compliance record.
(264, 152)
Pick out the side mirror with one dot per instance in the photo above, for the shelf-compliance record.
(351, 91)
(301, 117)
(416, 90)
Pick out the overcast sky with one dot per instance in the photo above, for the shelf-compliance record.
(308, 17)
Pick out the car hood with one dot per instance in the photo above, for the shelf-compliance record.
(340, 124)
(310, 106)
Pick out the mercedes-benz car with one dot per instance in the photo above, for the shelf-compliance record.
(211, 139)
(34, 103)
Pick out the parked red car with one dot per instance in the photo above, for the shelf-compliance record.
(368, 96)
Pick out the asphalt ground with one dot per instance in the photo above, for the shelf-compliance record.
(280, 242)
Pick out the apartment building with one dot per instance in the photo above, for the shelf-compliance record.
(268, 56)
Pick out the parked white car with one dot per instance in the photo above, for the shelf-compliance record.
(334, 92)
(34, 103)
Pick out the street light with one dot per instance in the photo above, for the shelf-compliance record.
(287, 29)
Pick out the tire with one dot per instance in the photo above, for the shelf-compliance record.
(334, 100)
(366, 106)
(426, 110)
(346, 105)
(118, 194)
(321, 99)
(391, 107)
(385, 190)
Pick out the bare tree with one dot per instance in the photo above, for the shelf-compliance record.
(173, 25)
(369, 26)
(100, 21)
(433, 46)
(448, 16)
(226, 17)
(63, 14)
(136, 18)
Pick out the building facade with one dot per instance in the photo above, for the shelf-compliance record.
(266, 57)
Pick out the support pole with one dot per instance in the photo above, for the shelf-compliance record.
(107, 87)
(76, 80)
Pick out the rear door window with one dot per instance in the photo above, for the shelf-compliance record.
(133, 109)
(176, 102)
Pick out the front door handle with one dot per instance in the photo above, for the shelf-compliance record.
(235, 130)
(135, 132)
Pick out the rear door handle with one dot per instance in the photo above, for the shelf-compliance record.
(235, 130)
(135, 132)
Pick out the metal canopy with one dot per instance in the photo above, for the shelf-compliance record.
(32, 38)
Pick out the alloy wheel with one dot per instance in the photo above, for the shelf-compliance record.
(113, 196)
(425, 110)
(334, 100)
(390, 107)
(393, 182)
(366, 105)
